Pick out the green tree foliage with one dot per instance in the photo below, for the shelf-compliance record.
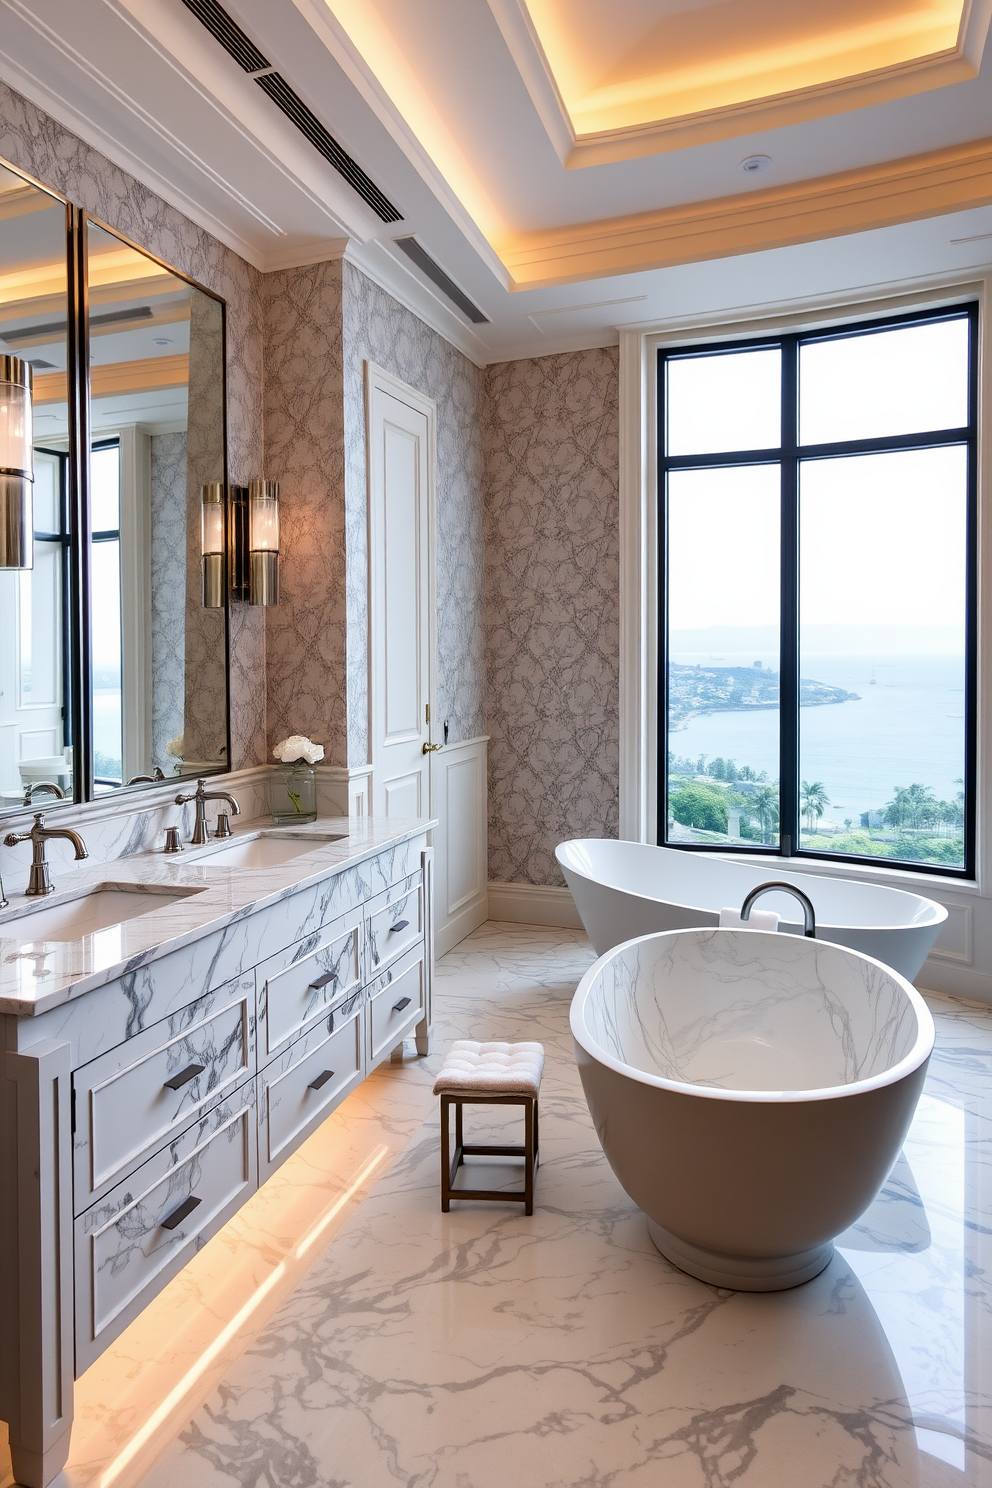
(699, 806)
(913, 806)
(814, 799)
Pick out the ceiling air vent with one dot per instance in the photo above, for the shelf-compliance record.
(417, 254)
(58, 327)
(248, 57)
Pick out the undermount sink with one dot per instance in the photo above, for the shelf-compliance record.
(263, 852)
(97, 909)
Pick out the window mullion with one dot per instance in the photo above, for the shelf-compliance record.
(789, 643)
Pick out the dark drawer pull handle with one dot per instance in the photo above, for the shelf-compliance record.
(399, 1006)
(321, 1080)
(178, 1215)
(400, 925)
(322, 981)
(184, 1076)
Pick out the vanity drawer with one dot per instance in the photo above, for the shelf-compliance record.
(396, 923)
(303, 1085)
(130, 1243)
(129, 1101)
(325, 969)
(397, 1000)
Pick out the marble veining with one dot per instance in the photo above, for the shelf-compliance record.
(749, 1012)
(222, 923)
(479, 1348)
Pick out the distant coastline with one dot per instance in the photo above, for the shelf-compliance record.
(697, 690)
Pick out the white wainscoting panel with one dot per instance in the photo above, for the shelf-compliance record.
(459, 796)
(954, 943)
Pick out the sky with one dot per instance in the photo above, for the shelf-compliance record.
(882, 536)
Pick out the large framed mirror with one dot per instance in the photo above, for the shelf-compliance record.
(113, 635)
(157, 464)
(38, 716)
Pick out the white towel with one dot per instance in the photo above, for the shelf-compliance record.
(760, 919)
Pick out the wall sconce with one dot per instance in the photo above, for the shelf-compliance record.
(263, 542)
(212, 543)
(16, 464)
(237, 516)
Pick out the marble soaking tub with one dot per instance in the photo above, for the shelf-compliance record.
(751, 1092)
(623, 889)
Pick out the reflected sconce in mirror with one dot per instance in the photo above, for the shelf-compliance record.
(16, 464)
(263, 542)
(212, 544)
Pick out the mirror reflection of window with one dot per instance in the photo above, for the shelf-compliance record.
(35, 701)
(157, 428)
(108, 693)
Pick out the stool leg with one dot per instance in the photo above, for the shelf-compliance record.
(445, 1159)
(529, 1156)
(459, 1139)
(537, 1136)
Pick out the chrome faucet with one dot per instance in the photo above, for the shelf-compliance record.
(201, 796)
(38, 880)
(809, 918)
(42, 785)
(152, 779)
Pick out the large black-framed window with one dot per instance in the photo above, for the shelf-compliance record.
(818, 531)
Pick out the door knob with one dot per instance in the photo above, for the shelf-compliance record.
(430, 748)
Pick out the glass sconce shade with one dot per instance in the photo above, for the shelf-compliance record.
(263, 542)
(212, 544)
(16, 464)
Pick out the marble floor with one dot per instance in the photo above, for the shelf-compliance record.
(482, 1349)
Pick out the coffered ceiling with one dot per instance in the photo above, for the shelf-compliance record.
(648, 75)
(572, 166)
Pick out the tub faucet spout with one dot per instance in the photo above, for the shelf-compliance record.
(809, 918)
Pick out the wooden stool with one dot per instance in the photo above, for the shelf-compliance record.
(493, 1074)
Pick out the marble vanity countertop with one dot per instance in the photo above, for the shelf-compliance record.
(36, 975)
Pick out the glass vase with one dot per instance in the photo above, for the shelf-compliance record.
(294, 795)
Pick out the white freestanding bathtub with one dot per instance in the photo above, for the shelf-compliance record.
(751, 1092)
(623, 889)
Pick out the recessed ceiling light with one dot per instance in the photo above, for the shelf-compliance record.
(161, 341)
(754, 165)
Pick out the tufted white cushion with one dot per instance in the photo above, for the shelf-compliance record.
(502, 1069)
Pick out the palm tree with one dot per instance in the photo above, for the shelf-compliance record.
(814, 799)
(764, 804)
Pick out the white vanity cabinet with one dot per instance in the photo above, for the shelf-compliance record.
(139, 1115)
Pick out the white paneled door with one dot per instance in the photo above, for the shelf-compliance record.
(401, 426)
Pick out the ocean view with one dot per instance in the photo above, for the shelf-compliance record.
(907, 727)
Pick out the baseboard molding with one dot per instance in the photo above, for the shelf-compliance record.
(460, 925)
(955, 981)
(533, 904)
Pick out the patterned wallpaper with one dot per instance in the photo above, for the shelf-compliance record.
(39, 145)
(551, 607)
(306, 633)
(378, 329)
(168, 550)
(526, 468)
